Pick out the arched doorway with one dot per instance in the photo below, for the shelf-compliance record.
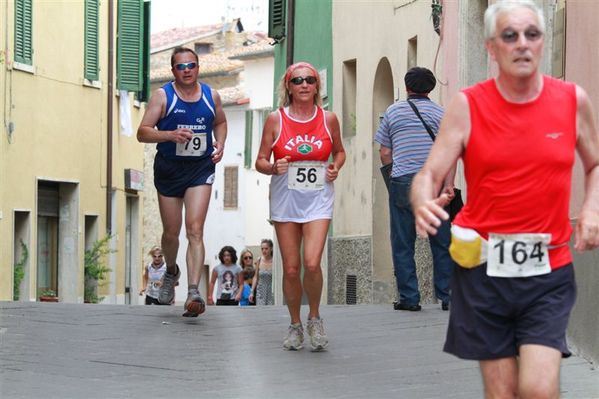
(382, 266)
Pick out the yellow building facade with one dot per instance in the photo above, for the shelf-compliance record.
(68, 153)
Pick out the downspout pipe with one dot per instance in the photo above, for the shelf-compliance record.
(109, 130)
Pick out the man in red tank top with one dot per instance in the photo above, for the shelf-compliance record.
(517, 135)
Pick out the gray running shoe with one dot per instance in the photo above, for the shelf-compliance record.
(294, 340)
(194, 305)
(318, 338)
(167, 289)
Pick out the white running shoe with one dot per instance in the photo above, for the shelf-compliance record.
(318, 338)
(295, 337)
(167, 289)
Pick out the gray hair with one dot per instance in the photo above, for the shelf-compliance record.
(500, 6)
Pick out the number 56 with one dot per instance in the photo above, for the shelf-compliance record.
(304, 174)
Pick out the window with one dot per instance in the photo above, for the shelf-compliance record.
(249, 126)
(203, 48)
(349, 98)
(230, 200)
(91, 57)
(131, 44)
(23, 24)
(276, 19)
(413, 52)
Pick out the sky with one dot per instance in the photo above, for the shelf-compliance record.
(167, 14)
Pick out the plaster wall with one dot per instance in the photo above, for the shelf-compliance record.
(58, 132)
(359, 196)
(582, 44)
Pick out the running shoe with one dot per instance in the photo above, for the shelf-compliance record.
(295, 337)
(167, 289)
(194, 305)
(318, 338)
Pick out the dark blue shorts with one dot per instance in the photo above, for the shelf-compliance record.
(492, 316)
(173, 176)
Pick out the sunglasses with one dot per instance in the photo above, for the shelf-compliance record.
(298, 80)
(248, 257)
(511, 36)
(186, 65)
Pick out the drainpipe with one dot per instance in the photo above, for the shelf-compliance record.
(290, 30)
(110, 117)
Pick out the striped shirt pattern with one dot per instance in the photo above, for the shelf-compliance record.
(403, 132)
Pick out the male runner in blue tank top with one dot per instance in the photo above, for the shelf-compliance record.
(186, 120)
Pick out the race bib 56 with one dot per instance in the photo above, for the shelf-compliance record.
(306, 175)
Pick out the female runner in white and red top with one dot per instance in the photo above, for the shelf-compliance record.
(301, 136)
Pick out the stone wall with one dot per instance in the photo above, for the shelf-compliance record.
(349, 256)
(352, 256)
(152, 226)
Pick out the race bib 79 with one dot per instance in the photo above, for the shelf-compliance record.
(195, 147)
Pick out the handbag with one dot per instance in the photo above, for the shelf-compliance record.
(456, 204)
(386, 172)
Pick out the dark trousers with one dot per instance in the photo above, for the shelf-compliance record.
(403, 240)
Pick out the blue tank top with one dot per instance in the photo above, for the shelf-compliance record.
(197, 116)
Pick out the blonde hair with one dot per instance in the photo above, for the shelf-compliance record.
(284, 97)
(242, 253)
(154, 249)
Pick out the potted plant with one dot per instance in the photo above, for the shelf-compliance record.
(19, 272)
(95, 269)
(48, 296)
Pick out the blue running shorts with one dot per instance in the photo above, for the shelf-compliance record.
(490, 317)
(173, 176)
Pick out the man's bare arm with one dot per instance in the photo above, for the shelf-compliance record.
(386, 155)
(147, 132)
(587, 145)
(219, 128)
(451, 140)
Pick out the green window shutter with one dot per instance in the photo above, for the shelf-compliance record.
(91, 61)
(249, 125)
(276, 19)
(130, 45)
(144, 93)
(23, 22)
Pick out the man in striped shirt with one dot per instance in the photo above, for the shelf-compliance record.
(406, 142)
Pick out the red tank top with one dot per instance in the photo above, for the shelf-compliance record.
(518, 164)
(303, 140)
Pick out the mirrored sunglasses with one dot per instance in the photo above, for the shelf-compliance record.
(186, 65)
(511, 36)
(298, 80)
